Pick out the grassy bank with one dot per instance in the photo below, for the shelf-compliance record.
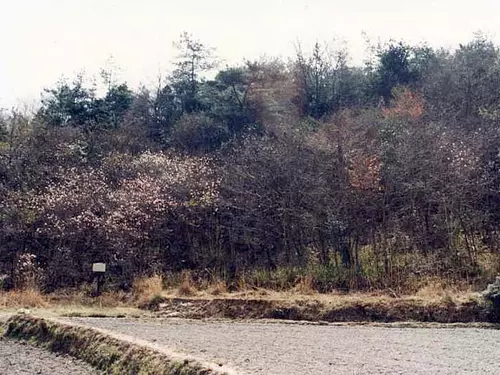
(327, 309)
(434, 301)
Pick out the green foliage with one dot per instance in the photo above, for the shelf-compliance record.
(226, 99)
(327, 84)
(74, 105)
(68, 104)
(395, 68)
(113, 107)
(194, 58)
(281, 278)
(3, 129)
(167, 110)
(328, 277)
(197, 133)
(492, 294)
(459, 84)
(300, 170)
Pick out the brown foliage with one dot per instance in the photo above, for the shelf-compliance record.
(406, 104)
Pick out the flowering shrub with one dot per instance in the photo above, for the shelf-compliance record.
(28, 274)
(115, 221)
(364, 172)
(74, 201)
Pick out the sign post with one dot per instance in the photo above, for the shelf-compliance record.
(99, 269)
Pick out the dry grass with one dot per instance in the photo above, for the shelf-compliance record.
(300, 286)
(83, 297)
(434, 297)
(354, 307)
(26, 298)
(305, 286)
(218, 288)
(145, 288)
(435, 289)
(432, 289)
(90, 311)
(187, 287)
(427, 292)
(302, 293)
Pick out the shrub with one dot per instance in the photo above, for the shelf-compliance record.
(492, 294)
(198, 133)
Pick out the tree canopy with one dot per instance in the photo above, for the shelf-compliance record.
(359, 177)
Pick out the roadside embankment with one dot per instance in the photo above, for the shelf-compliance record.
(109, 352)
(290, 348)
(374, 310)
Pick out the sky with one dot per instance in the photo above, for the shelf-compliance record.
(44, 40)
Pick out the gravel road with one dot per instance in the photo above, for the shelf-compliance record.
(293, 349)
(18, 358)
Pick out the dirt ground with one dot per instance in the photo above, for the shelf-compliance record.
(20, 358)
(293, 349)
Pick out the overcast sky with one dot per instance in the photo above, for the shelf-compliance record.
(43, 40)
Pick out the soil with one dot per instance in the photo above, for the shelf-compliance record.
(292, 349)
(20, 358)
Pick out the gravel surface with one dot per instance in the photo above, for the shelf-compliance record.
(18, 358)
(289, 349)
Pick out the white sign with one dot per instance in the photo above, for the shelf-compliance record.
(99, 267)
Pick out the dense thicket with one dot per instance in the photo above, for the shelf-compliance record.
(356, 176)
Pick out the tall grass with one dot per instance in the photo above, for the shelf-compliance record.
(145, 288)
(25, 298)
(187, 288)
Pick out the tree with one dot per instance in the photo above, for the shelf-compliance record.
(166, 110)
(3, 127)
(327, 84)
(68, 105)
(461, 86)
(74, 105)
(226, 99)
(113, 107)
(478, 75)
(314, 73)
(194, 58)
(395, 69)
